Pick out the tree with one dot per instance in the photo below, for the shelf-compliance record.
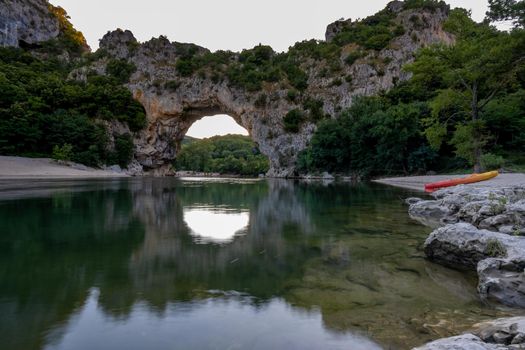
(504, 10)
(473, 71)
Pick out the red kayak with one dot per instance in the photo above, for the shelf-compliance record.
(431, 187)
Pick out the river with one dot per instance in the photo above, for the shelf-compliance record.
(165, 263)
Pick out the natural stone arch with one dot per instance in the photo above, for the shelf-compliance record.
(170, 115)
(173, 100)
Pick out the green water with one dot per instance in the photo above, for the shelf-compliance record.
(220, 264)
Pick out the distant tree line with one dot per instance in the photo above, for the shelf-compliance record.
(229, 154)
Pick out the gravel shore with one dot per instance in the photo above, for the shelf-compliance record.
(20, 167)
(418, 182)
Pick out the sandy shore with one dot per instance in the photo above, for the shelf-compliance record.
(418, 182)
(20, 167)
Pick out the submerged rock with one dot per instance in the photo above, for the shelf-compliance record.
(498, 258)
(483, 228)
(503, 333)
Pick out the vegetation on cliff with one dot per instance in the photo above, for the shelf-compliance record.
(40, 109)
(463, 106)
(230, 154)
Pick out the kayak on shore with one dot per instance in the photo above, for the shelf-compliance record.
(431, 187)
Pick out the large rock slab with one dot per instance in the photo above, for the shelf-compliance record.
(461, 342)
(503, 333)
(497, 209)
(499, 259)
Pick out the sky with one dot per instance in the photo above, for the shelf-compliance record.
(226, 25)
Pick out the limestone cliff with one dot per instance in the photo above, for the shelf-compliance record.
(26, 22)
(30, 23)
(278, 97)
(175, 98)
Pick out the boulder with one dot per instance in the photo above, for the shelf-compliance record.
(498, 258)
(503, 333)
(497, 209)
(510, 330)
(429, 212)
(461, 342)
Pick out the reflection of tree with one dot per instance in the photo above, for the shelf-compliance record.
(63, 244)
(52, 250)
(350, 251)
(258, 262)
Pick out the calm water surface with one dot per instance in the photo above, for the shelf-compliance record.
(220, 264)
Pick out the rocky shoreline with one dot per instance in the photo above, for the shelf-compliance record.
(482, 229)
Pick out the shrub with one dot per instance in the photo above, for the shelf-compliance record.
(121, 70)
(315, 107)
(185, 67)
(293, 120)
(495, 248)
(353, 56)
(64, 152)
(172, 85)
(123, 150)
(492, 161)
(291, 95)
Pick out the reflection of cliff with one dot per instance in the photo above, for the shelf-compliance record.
(350, 252)
(53, 249)
(258, 262)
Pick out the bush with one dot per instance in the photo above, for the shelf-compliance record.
(185, 66)
(490, 161)
(315, 107)
(121, 70)
(353, 56)
(123, 150)
(369, 138)
(64, 152)
(373, 33)
(293, 120)
(172, 85)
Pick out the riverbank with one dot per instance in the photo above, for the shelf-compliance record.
(46, 168)
(418, 182)
(481, 227)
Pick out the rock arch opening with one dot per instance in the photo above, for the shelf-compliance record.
(215, 125)
(218, 144)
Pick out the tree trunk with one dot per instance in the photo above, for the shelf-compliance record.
(477, 132)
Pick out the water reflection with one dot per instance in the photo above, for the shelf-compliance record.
(211, 225)
(211, 323)
(298, 265)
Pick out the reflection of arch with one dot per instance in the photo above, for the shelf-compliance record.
(250, 262)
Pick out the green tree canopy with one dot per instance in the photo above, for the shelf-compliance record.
(481, 64)
(500, 10)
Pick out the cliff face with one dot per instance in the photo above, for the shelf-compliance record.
(181, 83)
(174, 101)
(26, 22)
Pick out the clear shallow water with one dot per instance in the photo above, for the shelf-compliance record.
(220, 264)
